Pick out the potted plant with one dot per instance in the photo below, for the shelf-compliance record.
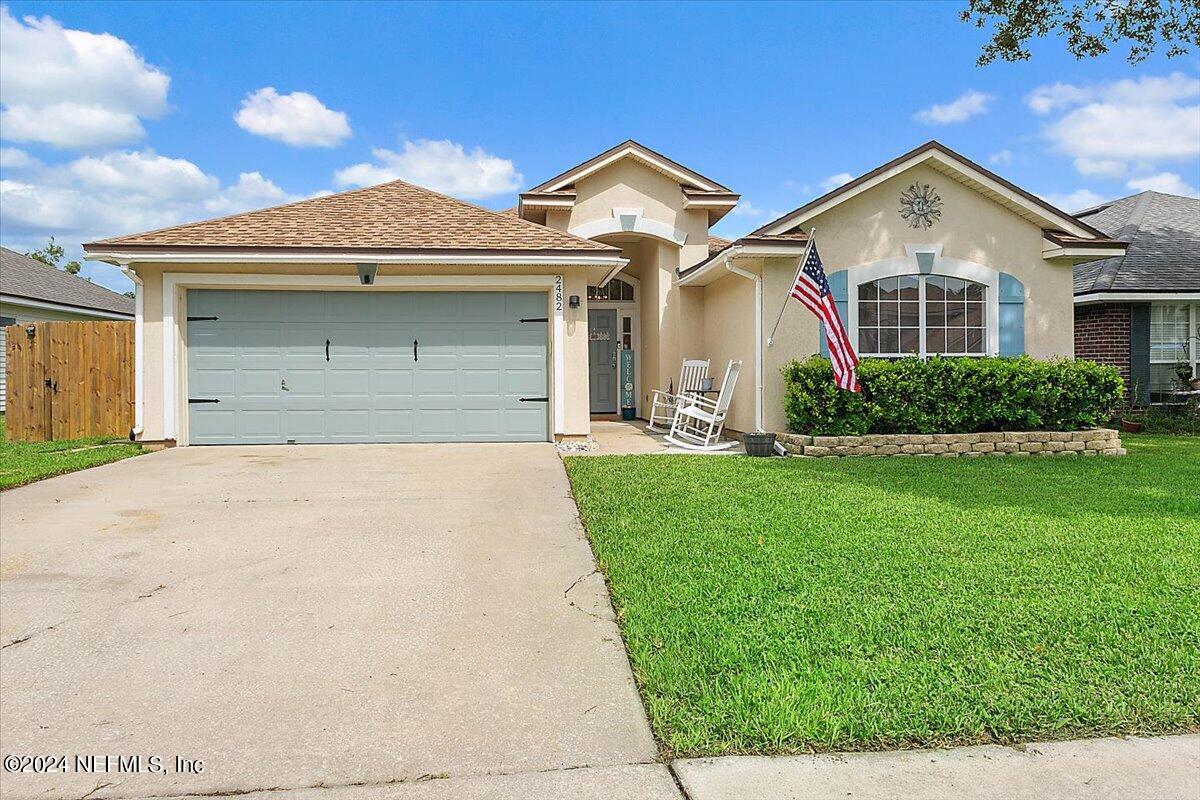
(1127, 422)
(759, 444)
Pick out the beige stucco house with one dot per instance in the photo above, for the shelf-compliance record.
(394, 313)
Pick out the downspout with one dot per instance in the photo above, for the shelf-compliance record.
(138, 354)
(758, 354)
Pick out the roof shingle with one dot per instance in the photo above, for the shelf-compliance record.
(22, 276)
(1163, 232)
(390, 216)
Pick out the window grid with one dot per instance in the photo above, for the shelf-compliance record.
(910, 315)
(616, 290)
(1173, 327)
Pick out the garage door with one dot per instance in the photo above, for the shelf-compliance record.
(294, 366)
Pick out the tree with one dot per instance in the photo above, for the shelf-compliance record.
(1091, 26)
(53, 253)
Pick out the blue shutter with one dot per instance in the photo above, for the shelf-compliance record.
(1012, 316)
(837, 286)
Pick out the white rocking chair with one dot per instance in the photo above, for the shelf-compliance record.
(667, 403)
(699, 421)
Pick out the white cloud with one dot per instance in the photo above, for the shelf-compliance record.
(1166, 182)
(144, 173)
(969, 104)
(1107, 127)
(72, 88)
(298, 119)
(443, 166)
(836, 180)
(123, 192)
(1075, 201)
(12, 158)
(1100, 167)
(1001, 157)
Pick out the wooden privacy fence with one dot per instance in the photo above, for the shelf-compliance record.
(68, 380)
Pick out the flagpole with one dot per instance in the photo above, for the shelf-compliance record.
(811, 238)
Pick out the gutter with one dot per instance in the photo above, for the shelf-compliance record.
(138, 352)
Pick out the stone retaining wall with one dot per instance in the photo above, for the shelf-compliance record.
(1098, 441)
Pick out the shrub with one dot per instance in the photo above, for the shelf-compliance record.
(951, 395)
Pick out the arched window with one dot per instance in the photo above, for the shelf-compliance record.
(922, 315)
(616, 290)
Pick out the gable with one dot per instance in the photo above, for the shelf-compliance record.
(955, 167)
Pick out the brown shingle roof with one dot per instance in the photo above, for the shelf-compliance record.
(390, 216)
(716, 244)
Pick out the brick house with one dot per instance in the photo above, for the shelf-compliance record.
(1140, 312)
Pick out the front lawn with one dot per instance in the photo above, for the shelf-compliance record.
(26, 462)
(782, 606)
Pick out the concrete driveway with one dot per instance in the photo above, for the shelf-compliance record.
(411, 620)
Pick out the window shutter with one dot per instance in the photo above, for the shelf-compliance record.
(837, 286)
(1012, 316)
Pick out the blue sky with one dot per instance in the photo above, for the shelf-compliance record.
(187, 111)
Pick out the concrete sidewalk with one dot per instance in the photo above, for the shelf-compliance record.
(1160, 768)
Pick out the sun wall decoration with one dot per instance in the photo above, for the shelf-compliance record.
(920, 206)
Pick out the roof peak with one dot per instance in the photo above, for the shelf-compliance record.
(684, 175)
(395, 215)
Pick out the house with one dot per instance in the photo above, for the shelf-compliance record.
(393, 313)
(31, 291)
(1140, 312)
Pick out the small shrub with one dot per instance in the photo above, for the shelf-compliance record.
(951, 395)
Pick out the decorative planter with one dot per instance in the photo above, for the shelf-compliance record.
(1129, 426)
(759, 444)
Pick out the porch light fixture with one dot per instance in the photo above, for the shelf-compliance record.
(366, 273)
(573, 301)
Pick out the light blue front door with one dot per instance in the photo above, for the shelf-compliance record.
(294, 366)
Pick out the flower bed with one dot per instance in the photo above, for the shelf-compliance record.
(1097, 441)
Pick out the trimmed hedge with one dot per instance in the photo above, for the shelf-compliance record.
(951, 395)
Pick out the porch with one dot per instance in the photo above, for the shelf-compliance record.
(616, 437)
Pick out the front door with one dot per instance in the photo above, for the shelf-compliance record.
(602, 359)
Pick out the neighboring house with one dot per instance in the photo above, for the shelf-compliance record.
(31, 291)
(394, 313)
(1141, 312)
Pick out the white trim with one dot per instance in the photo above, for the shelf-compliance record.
(547, 202)
(713, 268)
(898, 267)
(1070, 224)
(258, 257)
(558, 340)
(1133, 297)
(708, 203)
(139, 350)
(174, 283)
(649, 227)
(758, 339)
(638, 153)
(1081, 254)
(14, 300)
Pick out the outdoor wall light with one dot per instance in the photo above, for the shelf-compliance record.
(573, 301)
(366, 273)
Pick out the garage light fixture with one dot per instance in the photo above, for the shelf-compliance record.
(366, 273)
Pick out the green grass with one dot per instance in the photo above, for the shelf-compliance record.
(779, 606)
(26, 462)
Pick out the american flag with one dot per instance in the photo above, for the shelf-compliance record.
(812, 289)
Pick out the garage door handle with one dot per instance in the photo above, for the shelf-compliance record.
(534, 399)
(414, 349)
(326, 349)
